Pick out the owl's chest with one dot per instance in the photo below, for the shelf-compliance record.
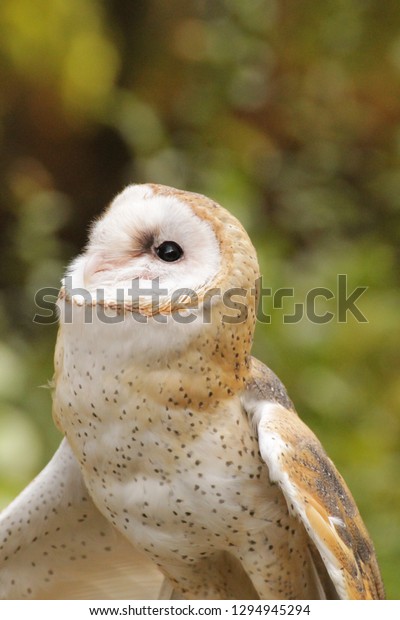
(155, 464)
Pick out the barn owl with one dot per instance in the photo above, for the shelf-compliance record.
(183, 458)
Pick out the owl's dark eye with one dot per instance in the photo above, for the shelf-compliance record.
(169, 251)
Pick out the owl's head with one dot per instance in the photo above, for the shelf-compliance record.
(160, 251)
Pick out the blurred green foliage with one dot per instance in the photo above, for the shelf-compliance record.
(286, 112)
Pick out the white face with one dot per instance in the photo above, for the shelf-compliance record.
(131, 241)
(128, 249)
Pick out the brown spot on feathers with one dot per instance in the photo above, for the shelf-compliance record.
(328, 504)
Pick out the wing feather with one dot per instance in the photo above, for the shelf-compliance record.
(314, 490)
(55, 544)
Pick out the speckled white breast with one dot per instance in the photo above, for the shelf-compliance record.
(165, 472)
(157, 471)
(180, 482)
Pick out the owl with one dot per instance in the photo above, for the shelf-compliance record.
(185, 471)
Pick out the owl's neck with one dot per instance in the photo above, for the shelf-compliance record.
(195, 364)
(198, 378)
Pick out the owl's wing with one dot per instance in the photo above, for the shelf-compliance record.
(314, 490)
(55, 544)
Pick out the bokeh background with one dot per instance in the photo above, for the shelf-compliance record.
(286, 112)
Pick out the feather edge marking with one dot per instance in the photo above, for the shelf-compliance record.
(271, 448)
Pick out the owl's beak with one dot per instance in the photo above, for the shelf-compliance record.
(97, 262)
(94, 263)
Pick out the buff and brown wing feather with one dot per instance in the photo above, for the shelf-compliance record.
(313, 488)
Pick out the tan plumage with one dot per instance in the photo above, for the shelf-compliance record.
(317, 493)
(184, 448)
